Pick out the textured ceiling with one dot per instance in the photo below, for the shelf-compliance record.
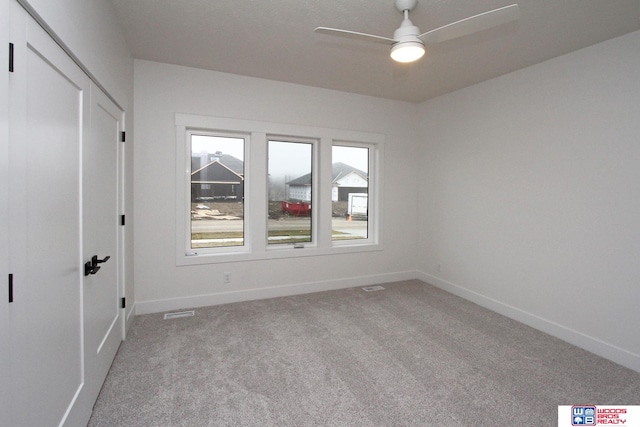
(274, 39)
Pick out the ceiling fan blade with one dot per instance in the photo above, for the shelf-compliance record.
(473, 24)
(354, 35)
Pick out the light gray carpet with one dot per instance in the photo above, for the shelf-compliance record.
(410, 355)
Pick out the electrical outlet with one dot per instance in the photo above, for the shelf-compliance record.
(227, 277)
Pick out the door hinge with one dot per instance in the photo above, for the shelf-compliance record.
(121, 219)
(11, 57)
(10, 287)
(123, 136)
(123, 303)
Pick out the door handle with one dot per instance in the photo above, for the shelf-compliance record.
(96, 261)
(91, 267)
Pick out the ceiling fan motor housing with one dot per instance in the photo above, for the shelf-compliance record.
(407, 33)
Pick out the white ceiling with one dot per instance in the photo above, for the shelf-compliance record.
(274, 39)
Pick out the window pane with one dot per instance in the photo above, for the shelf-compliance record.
(290, 191)
(350, 192)
(217, 191)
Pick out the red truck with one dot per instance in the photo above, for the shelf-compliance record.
(296, 208)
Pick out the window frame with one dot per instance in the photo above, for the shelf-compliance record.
(314, 142)
(187, 200)
(256, 189)
(373, 198)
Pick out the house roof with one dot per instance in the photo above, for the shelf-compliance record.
(217, 168)
(339, 170)
(227, 160)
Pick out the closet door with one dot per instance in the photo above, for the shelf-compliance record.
(101, 231)
(49, 98)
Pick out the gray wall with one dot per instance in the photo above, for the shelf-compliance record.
(161, 90)
(530, 201)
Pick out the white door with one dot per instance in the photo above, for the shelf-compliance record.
(49, 95)
(101, 221)
(63, 172)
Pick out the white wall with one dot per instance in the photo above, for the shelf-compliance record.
(91, 31)
(530, 203)
(161, 90)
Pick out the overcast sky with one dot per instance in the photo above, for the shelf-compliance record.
(291, 159)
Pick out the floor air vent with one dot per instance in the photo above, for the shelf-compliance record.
(178, 314)
(372, 288)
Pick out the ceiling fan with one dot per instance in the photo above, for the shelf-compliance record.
(407, 44)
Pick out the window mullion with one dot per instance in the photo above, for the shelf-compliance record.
(376, 166)
(323, 199)
(255, 223)
(183, 220)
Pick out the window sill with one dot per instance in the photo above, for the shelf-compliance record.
(274, 253)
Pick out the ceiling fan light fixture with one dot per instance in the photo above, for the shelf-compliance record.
(407, 44)
(407, 51)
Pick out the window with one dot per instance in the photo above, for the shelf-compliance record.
(250, 190)
(217, 190)
(350, 192)
(290, 192)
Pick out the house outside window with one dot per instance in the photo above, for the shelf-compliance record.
(217, 190)
(350, 192)
(290, 206)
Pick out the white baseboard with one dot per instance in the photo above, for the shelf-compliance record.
(594, 345)
(579, 339)
(158, 306)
